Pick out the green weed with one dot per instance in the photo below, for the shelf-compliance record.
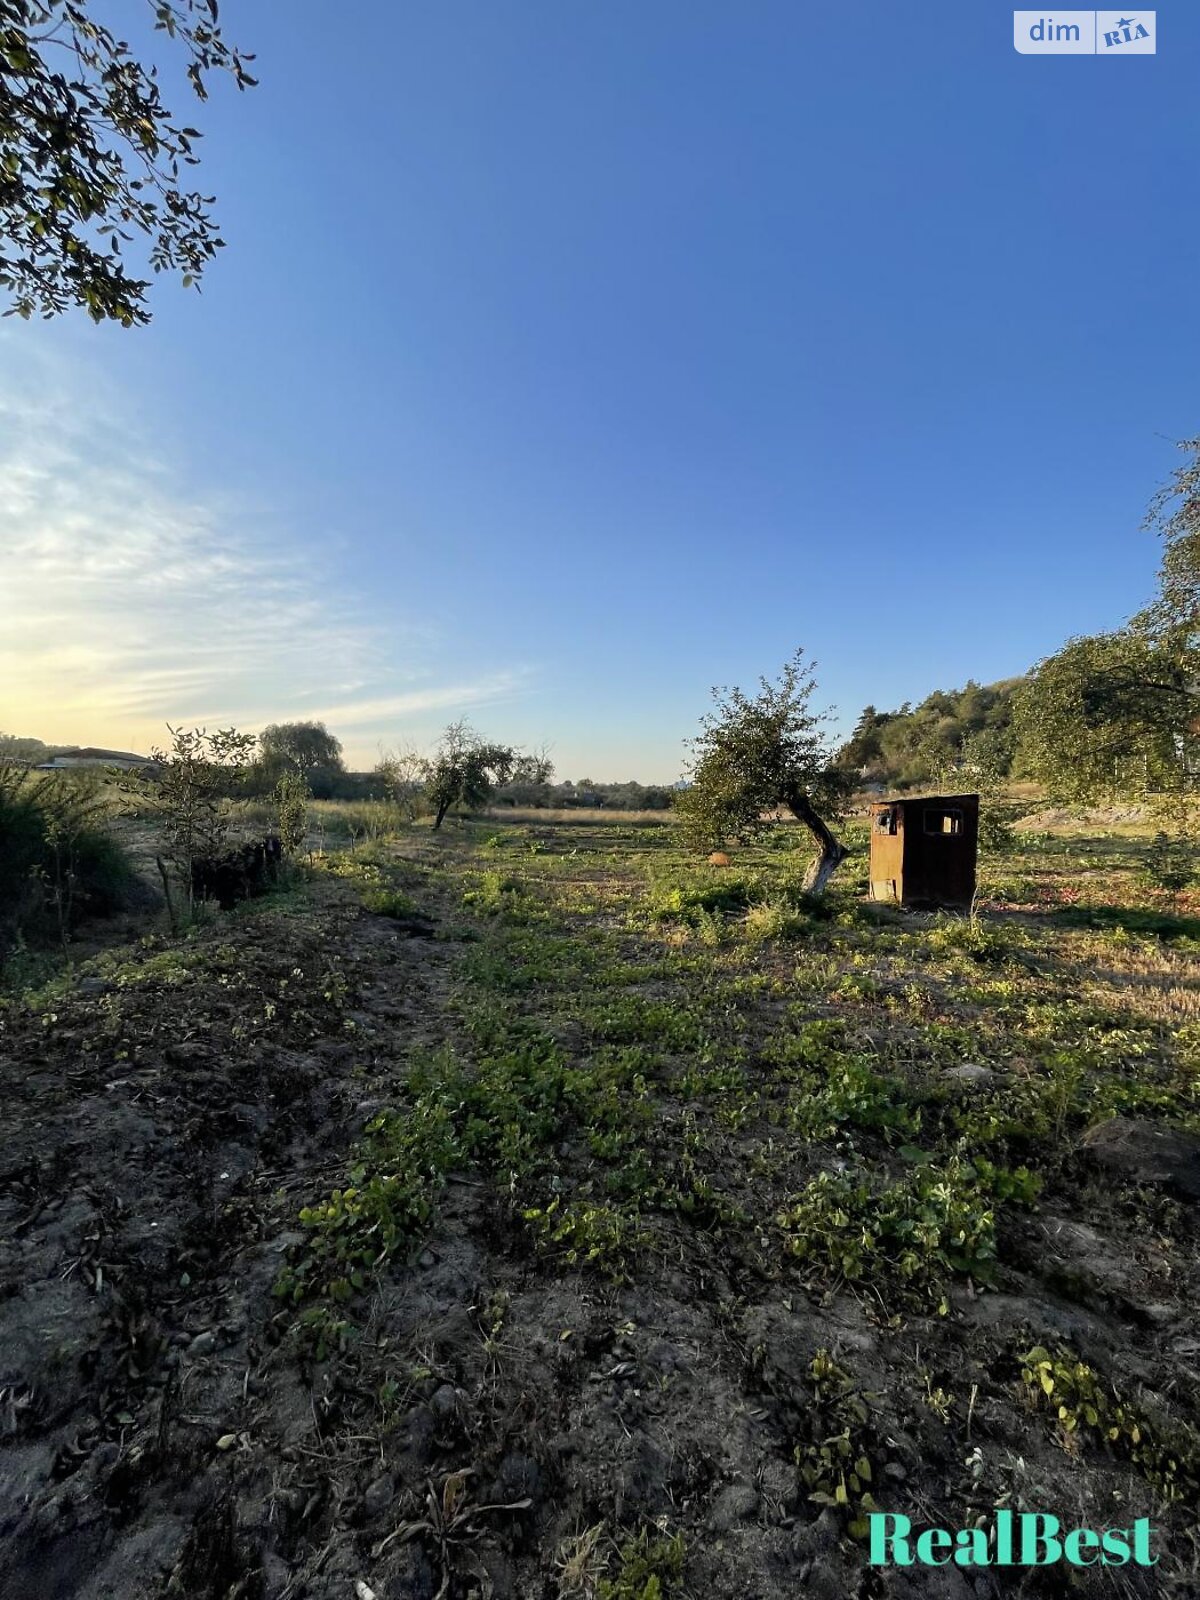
(389, 903)
(938, 1219)
(1167, 1455)
(983, 943)
(773, 919)
(651, 1565)
(835, 1467)
(589, 1233)
(850, 1095)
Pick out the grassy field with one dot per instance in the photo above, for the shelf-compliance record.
(533, 1210)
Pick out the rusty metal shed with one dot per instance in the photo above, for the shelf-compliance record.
(923, 850)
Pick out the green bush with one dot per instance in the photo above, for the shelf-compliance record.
(698, 900)
(773, 919)
(58, 863)
(997, 835)
(105, 877)
(1169, 864)
(290, 803)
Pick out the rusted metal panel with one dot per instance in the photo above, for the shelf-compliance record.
(887, 851)
(924, 849)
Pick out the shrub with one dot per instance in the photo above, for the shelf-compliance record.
(996, 831)
(291, 799)
(495, 893)
(57, 861)
(1169, 864)
(190, 791)
(773, 919)
(690, 900)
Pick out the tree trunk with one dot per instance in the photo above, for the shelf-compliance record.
(166, 883)
(441, 816)
(832, 852)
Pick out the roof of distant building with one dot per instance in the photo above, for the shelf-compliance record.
(90, 754)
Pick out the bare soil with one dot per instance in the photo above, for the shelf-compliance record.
(169, 1110)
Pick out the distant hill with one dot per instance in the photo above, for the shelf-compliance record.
(917, 744)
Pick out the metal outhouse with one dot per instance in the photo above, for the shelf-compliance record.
(923, 850)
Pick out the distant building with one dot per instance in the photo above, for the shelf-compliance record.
(68, 759)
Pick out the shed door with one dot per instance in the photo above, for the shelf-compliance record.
(887, 844)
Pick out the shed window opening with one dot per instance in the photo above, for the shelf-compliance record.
(943, 822)
(885, 821)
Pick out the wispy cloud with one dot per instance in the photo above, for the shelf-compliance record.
(125, 602)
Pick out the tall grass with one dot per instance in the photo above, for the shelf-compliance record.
(588, 814)
(358, 820)
(327, 819)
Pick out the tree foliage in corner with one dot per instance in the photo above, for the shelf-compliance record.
(757, 753)
(1116, 716)
(1174, 515)
(90, 157)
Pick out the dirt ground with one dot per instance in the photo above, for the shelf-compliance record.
(496, 1419)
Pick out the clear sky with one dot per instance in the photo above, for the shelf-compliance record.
(567, 359)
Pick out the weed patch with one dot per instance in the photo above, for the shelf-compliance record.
(650, 1567)
(1167, 1455)
(389, 903)
(835, 1465)
(937, 1220)
(589, 1233)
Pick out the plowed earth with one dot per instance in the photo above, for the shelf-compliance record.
(168, 1429)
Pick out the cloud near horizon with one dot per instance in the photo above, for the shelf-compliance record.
(127, 603)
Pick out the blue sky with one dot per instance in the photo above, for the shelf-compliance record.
(566, 360)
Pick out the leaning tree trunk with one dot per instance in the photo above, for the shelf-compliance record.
(832, 851)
